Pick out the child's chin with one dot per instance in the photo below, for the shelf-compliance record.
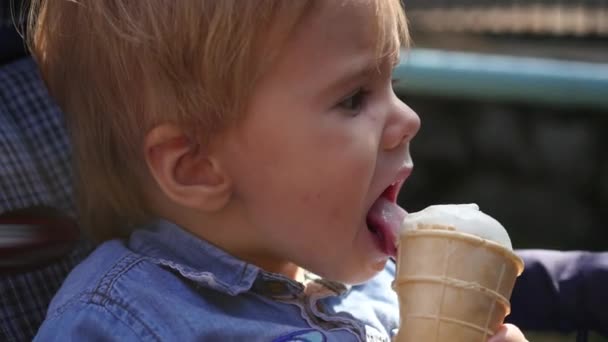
(362, 274)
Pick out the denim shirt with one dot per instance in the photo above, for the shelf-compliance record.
(165, 284)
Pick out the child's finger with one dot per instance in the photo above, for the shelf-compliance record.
(508, 333)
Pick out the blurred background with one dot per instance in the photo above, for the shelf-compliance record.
(513, 97)
(523, 137)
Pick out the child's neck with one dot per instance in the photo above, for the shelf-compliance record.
(289, 270)
(227, 232)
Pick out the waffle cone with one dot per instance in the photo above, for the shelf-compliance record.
(452, 286)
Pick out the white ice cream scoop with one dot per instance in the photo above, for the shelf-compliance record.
(465, 218)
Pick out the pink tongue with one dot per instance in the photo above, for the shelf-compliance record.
(386, 217)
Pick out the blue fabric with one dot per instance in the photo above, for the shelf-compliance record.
(562, 291)
(34, 171)
(164, 284)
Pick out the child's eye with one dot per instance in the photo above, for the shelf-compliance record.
(353, 102)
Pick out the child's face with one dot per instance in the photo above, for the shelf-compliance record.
(323, 138)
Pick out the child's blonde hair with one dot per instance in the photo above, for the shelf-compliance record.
(118, 68)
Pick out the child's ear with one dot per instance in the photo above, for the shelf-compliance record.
(186, 172)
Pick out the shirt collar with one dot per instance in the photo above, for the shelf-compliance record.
(170, 246)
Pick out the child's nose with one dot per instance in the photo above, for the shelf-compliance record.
(401, 126)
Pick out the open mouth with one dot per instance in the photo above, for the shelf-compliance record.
(384, 219)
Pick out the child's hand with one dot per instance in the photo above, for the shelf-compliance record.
(508, 333)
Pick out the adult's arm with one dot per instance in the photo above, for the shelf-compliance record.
(561, 291)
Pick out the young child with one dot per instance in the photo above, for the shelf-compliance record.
(249, 153)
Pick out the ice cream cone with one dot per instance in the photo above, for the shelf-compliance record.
(452, 286)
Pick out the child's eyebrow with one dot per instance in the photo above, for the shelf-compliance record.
(362, 69)
(352, 73)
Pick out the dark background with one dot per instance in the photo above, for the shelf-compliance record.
(540, 169)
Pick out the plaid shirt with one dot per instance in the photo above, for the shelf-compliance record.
(34, 170)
